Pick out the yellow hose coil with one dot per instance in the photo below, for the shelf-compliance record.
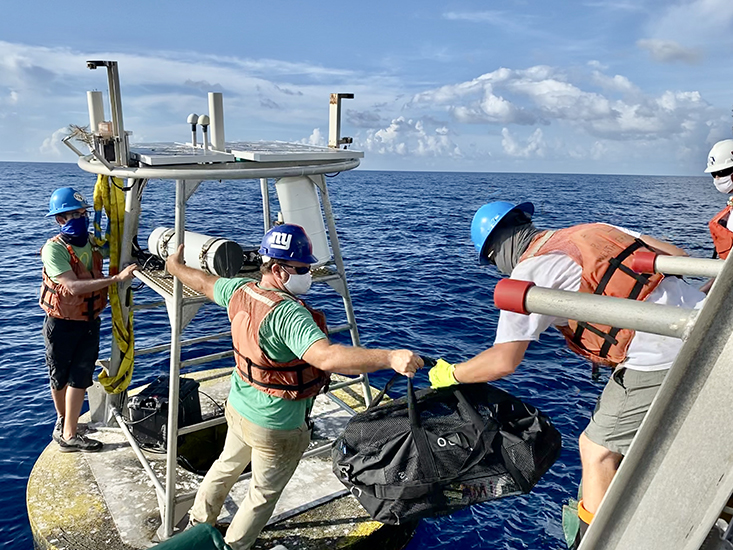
(108, 194)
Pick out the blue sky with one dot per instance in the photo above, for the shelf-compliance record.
(620, 86)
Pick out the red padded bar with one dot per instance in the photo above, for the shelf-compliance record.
(643, 261)
(510, 295)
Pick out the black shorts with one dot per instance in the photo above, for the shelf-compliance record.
(72, 349)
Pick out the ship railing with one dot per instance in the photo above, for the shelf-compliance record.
(677, 477)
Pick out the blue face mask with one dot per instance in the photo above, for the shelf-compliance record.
(76, 230)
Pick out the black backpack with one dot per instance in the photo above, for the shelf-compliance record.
(436, 451)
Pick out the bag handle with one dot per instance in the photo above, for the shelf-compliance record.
(484, 438)
(381, 394)
(424, 454)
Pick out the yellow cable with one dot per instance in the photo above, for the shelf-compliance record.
(110, 195)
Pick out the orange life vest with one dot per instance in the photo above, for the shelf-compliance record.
(604, 253)
(57, 301)
(722, 236)
(293, 380)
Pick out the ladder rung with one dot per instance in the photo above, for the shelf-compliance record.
(192, 341)
(206, 359)
(216, 421)
(339, 328)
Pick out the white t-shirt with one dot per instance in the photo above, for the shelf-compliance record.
(647, 352)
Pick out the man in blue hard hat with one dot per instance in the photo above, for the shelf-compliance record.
(592, 258)
(73, 294)
(283, 360)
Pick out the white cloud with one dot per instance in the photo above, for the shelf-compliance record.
(584, 112)
(598, 151)
(492, 109)
(407, 137)
(546, 95)
(616, 83)
(51, 146)
(595, 64)
(616, 6)
(316, 138)
(298, 90)
(669, 51)
(534, 146)
(692, 21)
(514, 23)
(492, 17)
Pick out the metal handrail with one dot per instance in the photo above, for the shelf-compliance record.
(184, 343)
(650, 262)
(159, 489)
(224, 170)
(206, 359)
(525, 297)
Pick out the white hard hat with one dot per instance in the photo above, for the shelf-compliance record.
(720, 156)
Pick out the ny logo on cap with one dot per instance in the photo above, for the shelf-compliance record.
(282, 241)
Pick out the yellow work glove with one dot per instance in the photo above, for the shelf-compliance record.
(441, 375)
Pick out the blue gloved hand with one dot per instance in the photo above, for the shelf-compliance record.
(441, 375)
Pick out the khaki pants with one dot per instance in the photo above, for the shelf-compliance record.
(274, 455)
(622, 406)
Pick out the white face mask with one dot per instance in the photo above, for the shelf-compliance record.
(298, 284)
(724, 185)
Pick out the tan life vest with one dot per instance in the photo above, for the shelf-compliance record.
(722, 236)
(57, 301)
(604, 253)
(292, 380)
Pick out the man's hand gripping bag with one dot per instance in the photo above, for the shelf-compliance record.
(436, 451)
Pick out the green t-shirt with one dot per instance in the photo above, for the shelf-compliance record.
(285, 334)
(57, 260)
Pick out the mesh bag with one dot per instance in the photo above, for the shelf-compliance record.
(436, 451)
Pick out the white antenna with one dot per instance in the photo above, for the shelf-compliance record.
(204, 122)
(192, 119)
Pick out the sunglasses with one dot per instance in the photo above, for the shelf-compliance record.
(75, 215)
(723, 173)
(490, 255)
(299, 270)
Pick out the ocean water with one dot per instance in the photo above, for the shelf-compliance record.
(414, 281)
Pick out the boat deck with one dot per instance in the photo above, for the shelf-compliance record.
(105, 499)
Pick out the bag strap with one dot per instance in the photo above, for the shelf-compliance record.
(484, 438)
(407, 492)
(381, 394)
(521, 480)
(424, 454)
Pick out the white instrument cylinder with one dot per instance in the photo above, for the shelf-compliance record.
(213, 255)
(216, 114)
(299, 204)
(96, 110)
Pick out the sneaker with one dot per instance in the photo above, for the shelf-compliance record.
(58, 429)
(79, 443)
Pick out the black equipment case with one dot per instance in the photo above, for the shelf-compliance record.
(148, 410)
(436, 451)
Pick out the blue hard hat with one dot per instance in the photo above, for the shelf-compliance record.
(66, 199)
(288, 242)
(487, 218)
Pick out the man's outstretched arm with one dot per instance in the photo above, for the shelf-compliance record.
(355, 360)
(192, 278)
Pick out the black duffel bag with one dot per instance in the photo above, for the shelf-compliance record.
(436, 451)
